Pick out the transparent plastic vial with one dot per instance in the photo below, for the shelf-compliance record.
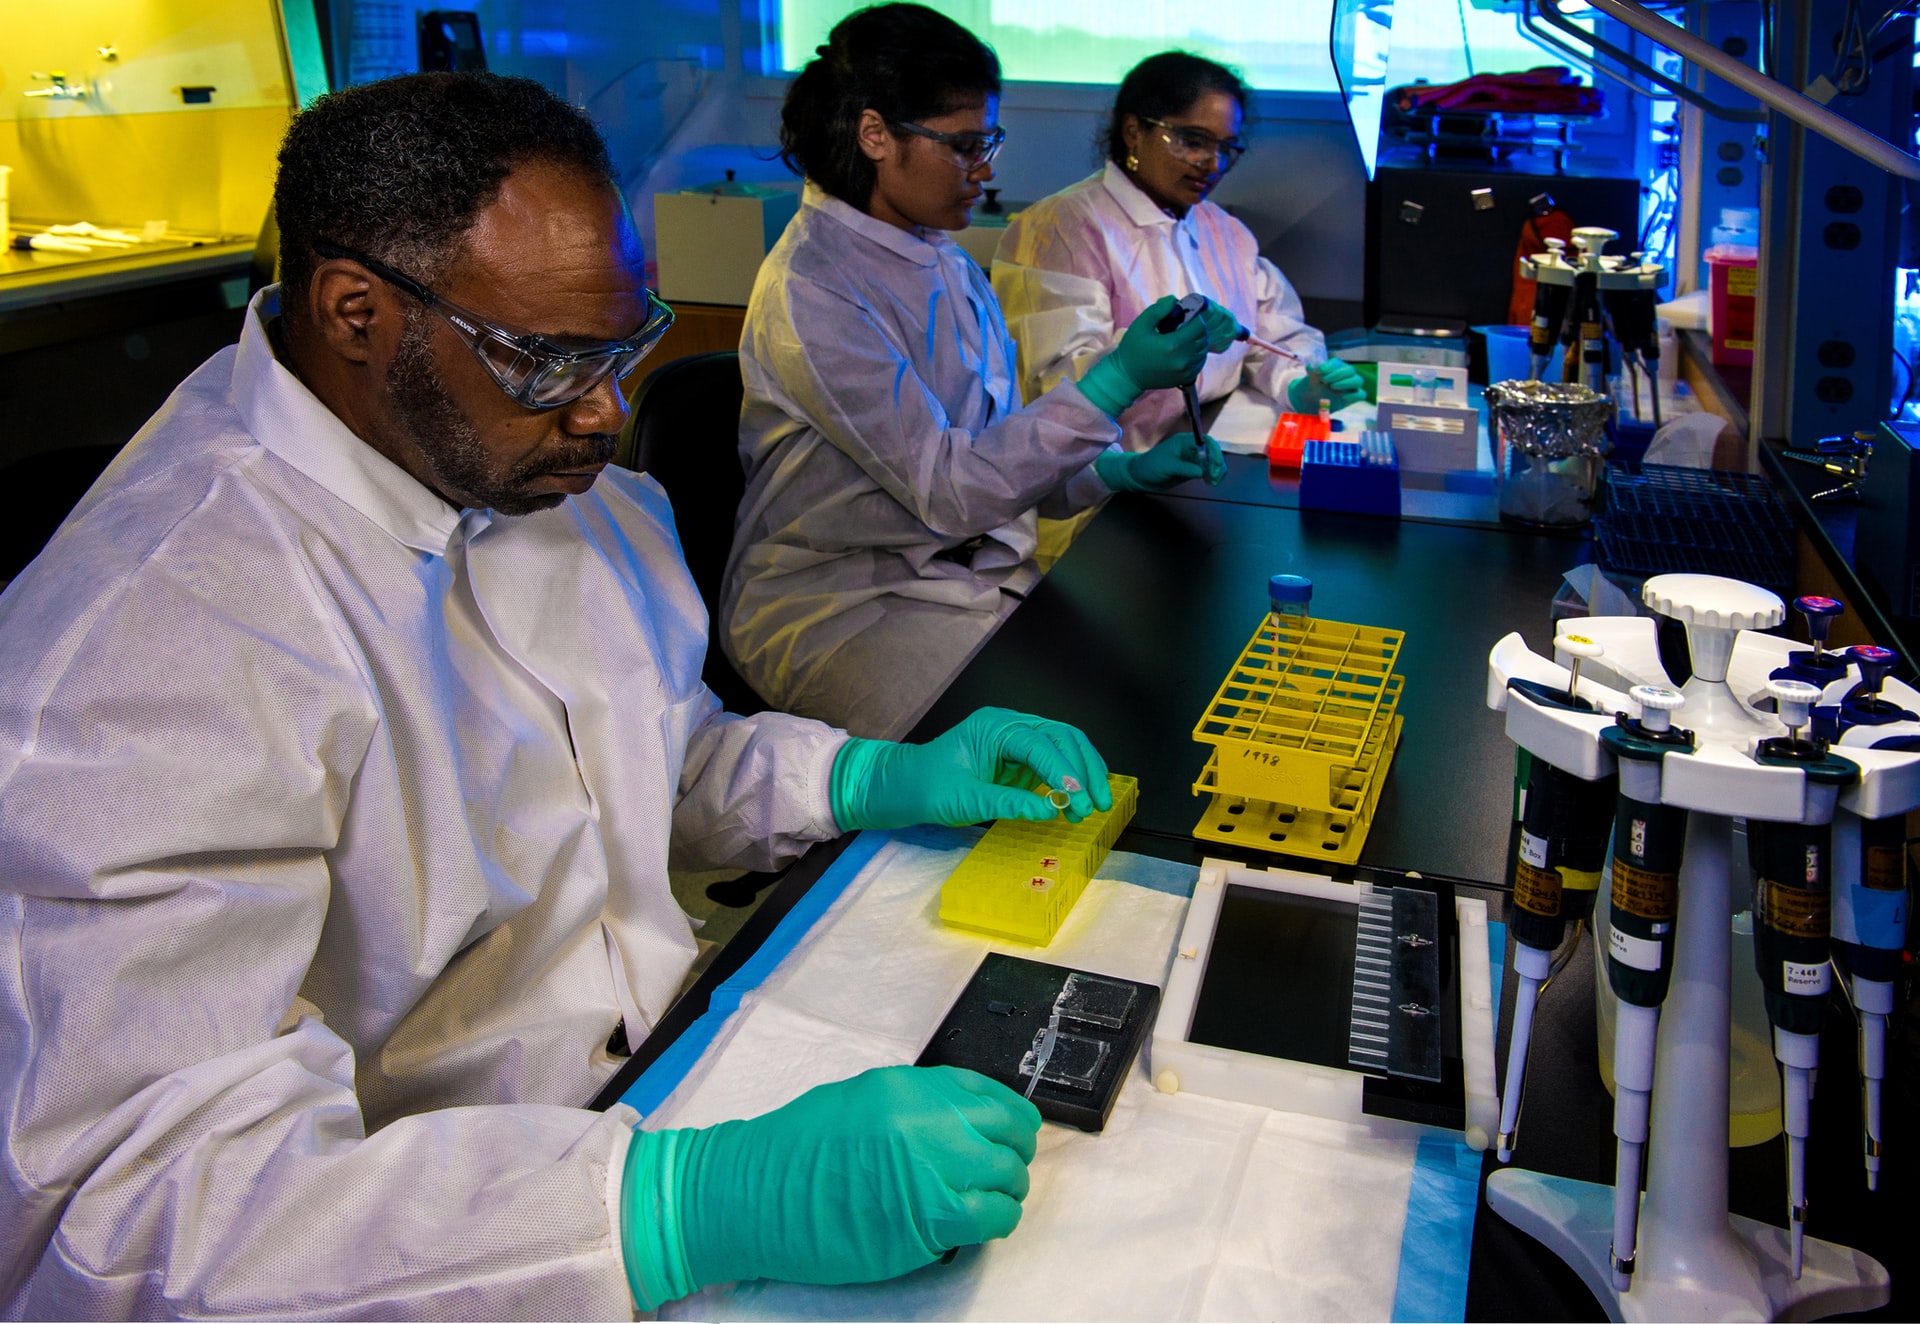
(1291, 597)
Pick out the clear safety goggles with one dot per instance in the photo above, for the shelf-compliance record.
(1197, 146)
(972, 149)
(536, 371)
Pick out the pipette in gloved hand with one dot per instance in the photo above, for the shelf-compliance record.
(1189, 307)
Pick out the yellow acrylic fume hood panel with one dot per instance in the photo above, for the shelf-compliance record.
(128, 132)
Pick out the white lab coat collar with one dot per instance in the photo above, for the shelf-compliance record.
(290, 421)
(920, 247)
(1140, 209)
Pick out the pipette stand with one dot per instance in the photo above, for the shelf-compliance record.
(1695, 1259)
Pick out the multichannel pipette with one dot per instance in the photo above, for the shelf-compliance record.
(1792, 923)
(1648, 840)
(1563, 844)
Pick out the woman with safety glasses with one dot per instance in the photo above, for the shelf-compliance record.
(893, 477)
(1077, 266)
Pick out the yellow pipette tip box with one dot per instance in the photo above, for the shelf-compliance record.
(1022, 878)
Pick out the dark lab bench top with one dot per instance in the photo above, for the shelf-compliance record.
(1128, 637)
(1130, 634)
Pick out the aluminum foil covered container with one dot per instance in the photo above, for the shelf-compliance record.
(1555, 438)
(1551, 419)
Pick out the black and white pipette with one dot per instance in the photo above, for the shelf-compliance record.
(1648, 841)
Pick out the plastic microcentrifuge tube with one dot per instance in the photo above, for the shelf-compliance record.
(1059, 799)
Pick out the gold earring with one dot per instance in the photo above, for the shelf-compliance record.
(1133, 162)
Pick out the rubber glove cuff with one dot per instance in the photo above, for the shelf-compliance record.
(652, 1239)
(856, 772)
(1116, 471)
(1223, 328)
(1110, 387)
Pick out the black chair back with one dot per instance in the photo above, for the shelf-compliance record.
(685, 431)
(46, 485)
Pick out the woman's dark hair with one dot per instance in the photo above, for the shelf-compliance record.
(1163, 85)
(906, 62)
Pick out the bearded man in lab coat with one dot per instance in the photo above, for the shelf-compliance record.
(347, 728)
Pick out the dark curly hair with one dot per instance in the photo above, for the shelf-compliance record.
(1163, 85)
(398, 169)
(905, 61)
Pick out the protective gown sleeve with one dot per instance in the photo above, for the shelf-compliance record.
(754, 791)
(1062, 322)
(839, 367)
(181, 1131)
(1283, 320)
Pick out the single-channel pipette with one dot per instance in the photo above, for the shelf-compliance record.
(1869, 930)
(1648, 838)
(1792, 891)
(1563, 844)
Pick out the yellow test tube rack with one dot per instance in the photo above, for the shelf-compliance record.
(1020, 880)
(1303, 730)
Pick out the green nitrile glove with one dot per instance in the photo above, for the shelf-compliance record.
(1338, 383)
(1223, 328)
(1147, 360)
(979, 770)
(1174, 461)
(852, 1182)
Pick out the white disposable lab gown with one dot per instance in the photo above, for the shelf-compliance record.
(334, 832)
(893, 477)
(1075, 269)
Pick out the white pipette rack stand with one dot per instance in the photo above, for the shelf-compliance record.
(1695, 1261)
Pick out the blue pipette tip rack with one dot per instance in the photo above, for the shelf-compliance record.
(1361, 477)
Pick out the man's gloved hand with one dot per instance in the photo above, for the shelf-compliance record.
(1174, 461)
(1223, 328)
(1147, 360)
(852, 1182)
(981, 769)
(1338, 383)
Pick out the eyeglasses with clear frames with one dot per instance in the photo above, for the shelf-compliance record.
(1197, 145)
(535, 371)
(972, 149)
